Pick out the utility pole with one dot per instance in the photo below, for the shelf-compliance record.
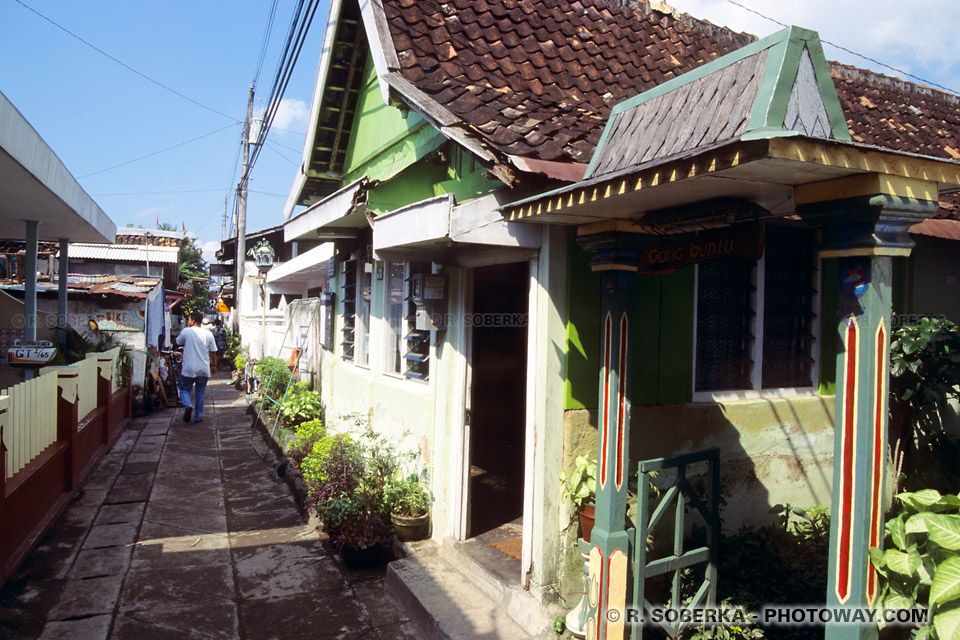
(223, 231)
(242, 215)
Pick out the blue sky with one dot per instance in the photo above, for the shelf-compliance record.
(96, 114)
(101, 118)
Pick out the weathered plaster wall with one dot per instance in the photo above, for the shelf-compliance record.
(772, 452)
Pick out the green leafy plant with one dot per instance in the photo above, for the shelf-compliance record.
(920, 566)
(924, 376)
(307, 435)
(405, 495)
(559, 625)
(581, 487)
(274, 377)
(348, 491)
(301, 404)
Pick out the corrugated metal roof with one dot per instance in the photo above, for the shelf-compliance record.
(938, 228)
(124, 253)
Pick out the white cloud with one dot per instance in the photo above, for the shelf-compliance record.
(917, 40)
(291, 117)
(209, 250)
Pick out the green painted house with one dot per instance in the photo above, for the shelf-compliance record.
(526, 198)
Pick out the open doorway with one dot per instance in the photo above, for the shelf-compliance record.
(497, 395)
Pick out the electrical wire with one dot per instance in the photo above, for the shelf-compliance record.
(296, 36)
(150, 155)
(851, 52)
(267, 32)
(123, 64)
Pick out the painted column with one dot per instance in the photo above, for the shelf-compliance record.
(615, 254)
(30, 288)
(864, 233)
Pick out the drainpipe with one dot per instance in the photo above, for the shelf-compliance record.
(30, 288)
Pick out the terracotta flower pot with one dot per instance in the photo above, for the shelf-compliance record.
(410, 528)
(586, 514)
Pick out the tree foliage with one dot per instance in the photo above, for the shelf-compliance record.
(193, 266)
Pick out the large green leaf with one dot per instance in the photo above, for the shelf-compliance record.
(897, 530)
(944, 530)
(917, 523)
(903, 563)
(920, 500)
(947, 623)
(946, 582)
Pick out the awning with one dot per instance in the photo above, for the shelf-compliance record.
(433, 227)
(946, 229)
(306, 269)
(339, 215)
(124, 253)
(35, 185)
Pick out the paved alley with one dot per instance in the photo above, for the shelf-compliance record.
(180, 532)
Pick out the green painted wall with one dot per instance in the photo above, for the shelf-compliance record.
(661, 338)
(392, 147)
(829, 319)
(385, 140)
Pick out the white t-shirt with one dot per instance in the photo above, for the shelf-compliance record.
(197, 344)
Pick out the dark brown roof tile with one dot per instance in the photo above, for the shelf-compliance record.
(538, 77)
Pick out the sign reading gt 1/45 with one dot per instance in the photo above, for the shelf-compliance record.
(31, 354)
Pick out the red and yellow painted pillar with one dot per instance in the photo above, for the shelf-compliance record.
(864, 223)
(615, 253)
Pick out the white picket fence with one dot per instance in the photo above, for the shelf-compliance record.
(30, 421)
(31, 424)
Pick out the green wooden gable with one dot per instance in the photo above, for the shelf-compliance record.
(777, 86)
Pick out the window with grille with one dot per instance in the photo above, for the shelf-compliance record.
(725, 313)
(789, 292)
(417, 356)
(349, 298)
(395, 347)
(757, 321)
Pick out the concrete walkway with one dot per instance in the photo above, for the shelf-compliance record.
(180, 532)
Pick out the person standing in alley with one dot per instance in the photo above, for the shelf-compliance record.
(197, 343)
(220, 336)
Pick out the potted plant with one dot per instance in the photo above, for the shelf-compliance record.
(581, 489)
(347, 484)
(408, 503)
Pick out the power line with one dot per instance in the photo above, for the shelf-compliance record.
(151, 193)
(267, 32)
(272, 145)
(851, 52)
(296, 36)
(150, 155)
(123, 64)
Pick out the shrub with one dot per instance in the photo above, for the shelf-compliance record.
(274, 377)
(924, 375)
(301, 404)
(316, 465)
(921, 564)
(308, 433)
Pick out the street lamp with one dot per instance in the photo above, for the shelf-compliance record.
(263, 256)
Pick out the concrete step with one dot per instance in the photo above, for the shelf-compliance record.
(445, 605)
(498, 578)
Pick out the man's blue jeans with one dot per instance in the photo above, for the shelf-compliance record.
(186, 383)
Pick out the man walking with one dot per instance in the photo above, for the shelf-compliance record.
(197, 344)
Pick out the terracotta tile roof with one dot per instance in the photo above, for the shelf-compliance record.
(537, 78)
(895, 114)
(889, 112)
